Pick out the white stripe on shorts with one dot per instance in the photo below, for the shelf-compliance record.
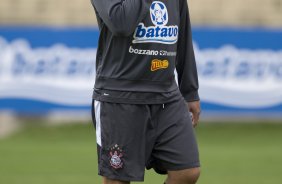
(97, 109)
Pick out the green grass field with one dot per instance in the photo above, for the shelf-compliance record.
(230, 154)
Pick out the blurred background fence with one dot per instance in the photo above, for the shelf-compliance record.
(47, 56)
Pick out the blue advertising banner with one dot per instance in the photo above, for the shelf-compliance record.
(49, 69)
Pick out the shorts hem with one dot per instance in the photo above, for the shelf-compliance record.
(182, 167)
(122, 178)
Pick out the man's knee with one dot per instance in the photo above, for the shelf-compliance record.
(187, 176)
(110, 181)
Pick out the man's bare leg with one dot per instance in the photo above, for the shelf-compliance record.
(109, 181)
(187, 176)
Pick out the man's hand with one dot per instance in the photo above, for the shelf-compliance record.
(195, 109)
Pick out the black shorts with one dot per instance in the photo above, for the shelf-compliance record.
(131, 137)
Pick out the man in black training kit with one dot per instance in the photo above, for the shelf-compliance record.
(141, 113)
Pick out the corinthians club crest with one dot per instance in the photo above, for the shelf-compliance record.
(116, 157)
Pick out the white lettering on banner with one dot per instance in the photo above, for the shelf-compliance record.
(56, 74)
(59, 74)
(231, 63)
(240, 77)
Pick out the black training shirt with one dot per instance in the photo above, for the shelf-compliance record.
(141, 44)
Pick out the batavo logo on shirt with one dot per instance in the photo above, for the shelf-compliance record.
(160, 32)
(159, 64)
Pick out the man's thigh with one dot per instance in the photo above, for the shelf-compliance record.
(186, 176)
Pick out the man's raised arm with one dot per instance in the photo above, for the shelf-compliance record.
(121, 16)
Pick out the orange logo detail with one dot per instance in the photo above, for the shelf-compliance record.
(159, 64)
